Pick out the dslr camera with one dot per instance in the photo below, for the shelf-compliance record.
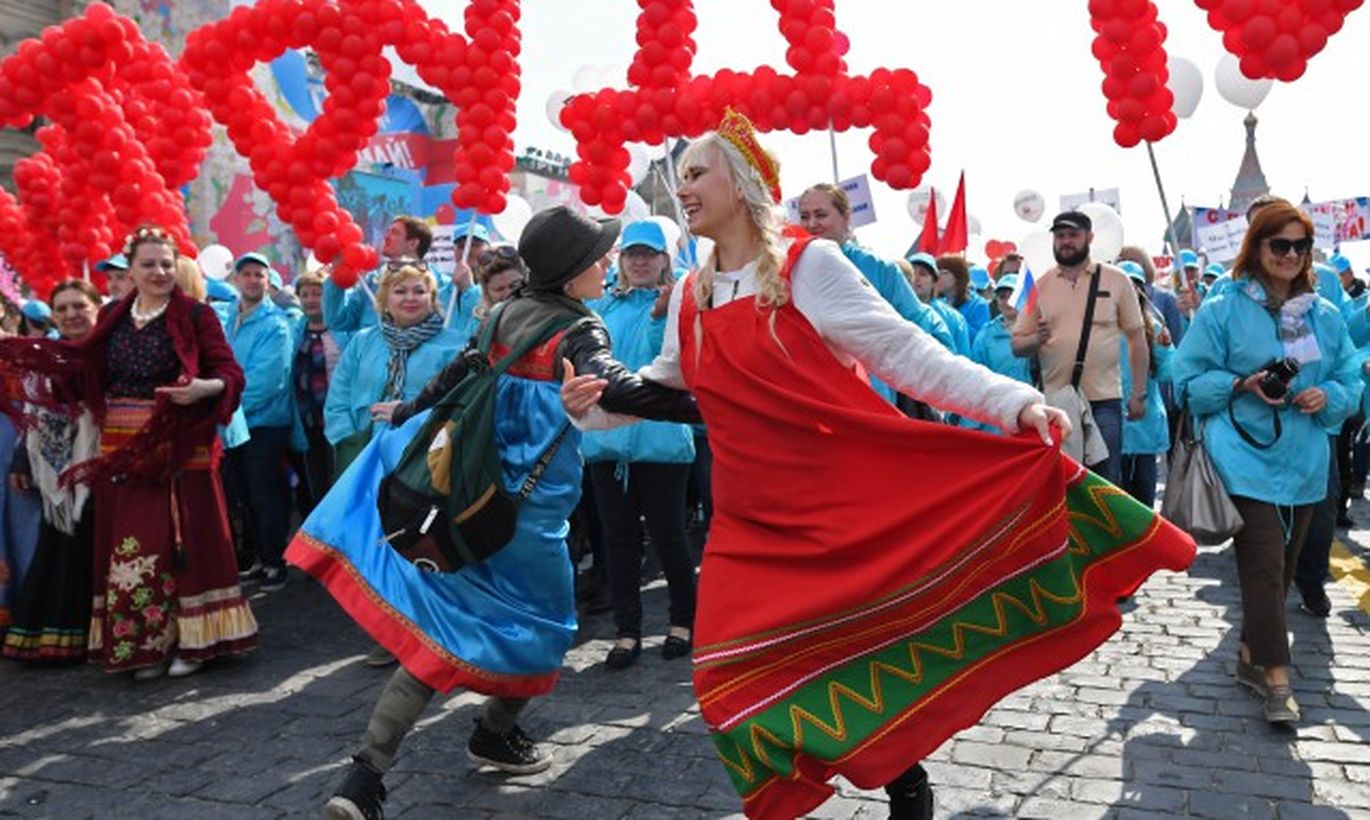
(1278, 374)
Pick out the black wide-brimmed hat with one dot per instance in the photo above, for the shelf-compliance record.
(558, 244)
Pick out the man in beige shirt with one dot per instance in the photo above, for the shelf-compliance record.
(1052, 334)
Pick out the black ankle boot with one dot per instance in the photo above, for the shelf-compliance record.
(910, 795)
(359, 796)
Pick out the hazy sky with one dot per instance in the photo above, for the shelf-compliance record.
(1016, 103)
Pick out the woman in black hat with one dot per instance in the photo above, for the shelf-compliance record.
(500, 627)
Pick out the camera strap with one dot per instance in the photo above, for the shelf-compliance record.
(1078, 373)
(1247, 437)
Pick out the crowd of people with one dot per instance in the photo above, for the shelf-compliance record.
(163, 440)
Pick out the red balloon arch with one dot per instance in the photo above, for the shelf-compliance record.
(128, 126)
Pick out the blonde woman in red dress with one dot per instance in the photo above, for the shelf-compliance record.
(854, 610)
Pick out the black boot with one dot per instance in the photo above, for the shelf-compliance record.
(910, 795)
(360, 795)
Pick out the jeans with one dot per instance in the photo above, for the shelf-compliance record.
(1312, 567)
(656, 492)
(255, 483)
(1139, 477)
(1108, 417)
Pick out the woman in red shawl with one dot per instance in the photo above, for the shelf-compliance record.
(159, 378)
(855, 608)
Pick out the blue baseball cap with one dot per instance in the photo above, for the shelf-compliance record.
(36, 311)
(273, 277)
(218, 290)
(979, 277)
(251, 257)
(1339, 263)
(646, 233)
(927, 260)
(1008, 281)
(1214, 270)
(1189, 259)
(475, 230)
(115, 262)
(1133, 271)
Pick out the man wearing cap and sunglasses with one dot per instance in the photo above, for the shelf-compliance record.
(1083, 307)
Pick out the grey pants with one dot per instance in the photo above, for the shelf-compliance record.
(399, 707)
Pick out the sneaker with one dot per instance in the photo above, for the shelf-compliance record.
(911, 795)
(1315, 602)
(359, 796)
(1280, 706)
(378, 658)
(511, 752)
(180, 667)
(273, 579)
(1251, 676)
(150, 672)
(252, 572)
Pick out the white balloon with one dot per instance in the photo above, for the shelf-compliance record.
(635, 209)
(1029, 205)
(639, 163)
(918, 204)
(586, 78)
(1187, 84)
(972, 226)
(555, 102)
(1236, 87)
(513, 218)
(1108, 231)
(1036, 251)
(670, 229)
(658, 151)
(216, 262)
(312, 263)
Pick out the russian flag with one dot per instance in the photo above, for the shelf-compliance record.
(1024, 297)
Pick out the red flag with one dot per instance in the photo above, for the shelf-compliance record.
(928, 242)
(955, 238)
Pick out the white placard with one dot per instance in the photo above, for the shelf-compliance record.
(442, 253)
(1108, 196)
(1221, 241)
(858, 192)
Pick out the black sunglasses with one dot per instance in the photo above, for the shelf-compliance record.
(1282, 247)
(402, 262)
(506, 252)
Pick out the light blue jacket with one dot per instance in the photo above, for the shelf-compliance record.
(261, 343)
(994, 350)
(956, 323)
(1151, 433)
(1233, 336)
(359, 378)
(636, 340)
(975, 310)
(348, 311)
(235, 433)
(890, 283)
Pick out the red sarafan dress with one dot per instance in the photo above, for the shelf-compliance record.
(873, 584)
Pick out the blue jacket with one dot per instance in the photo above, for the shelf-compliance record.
(235, 433)
(975, 310)
(636, 340)
(359, 378)
(261, 343)
(994, 350)
(890, 283)
(956, 323)
(1151, 433)
(1233, 336)
(348, 311)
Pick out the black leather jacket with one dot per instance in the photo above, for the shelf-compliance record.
(586, 345)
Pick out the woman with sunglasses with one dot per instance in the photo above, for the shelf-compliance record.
(1266, 369)
(389, 363)
(500, 273)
